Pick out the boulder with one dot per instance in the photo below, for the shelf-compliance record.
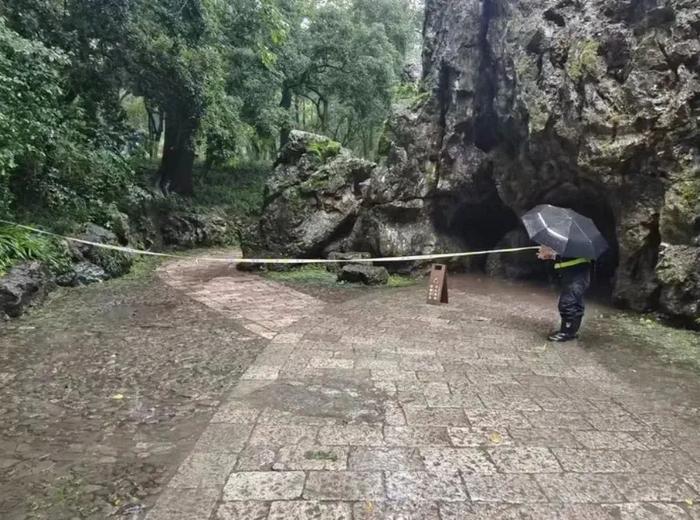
(24, 285)
(120, 226)
(114, 263)
(366, 274)
(195, 229)
(678, 272)
(313, 196)
(348, 256)
(83, 273)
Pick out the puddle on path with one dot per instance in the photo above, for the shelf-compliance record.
(341, 400)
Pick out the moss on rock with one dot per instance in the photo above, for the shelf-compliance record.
(583, 60)
(324, 150)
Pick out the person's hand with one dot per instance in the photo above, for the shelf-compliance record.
(546, 253)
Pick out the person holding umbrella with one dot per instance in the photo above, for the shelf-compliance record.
(573, 241)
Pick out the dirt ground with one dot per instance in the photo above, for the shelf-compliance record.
(102, 392)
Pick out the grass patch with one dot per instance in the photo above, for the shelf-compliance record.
(143, 267)
(397, 281)
(672, 345)
(324, 150)
(319, 276)
(320, 455)
(308, 275)
(20, 245)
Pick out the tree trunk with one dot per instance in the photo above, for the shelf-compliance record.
(155, 130)
(324, 116)
(286, 104)
(176, 166)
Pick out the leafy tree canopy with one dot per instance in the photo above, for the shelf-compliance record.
(88, 88)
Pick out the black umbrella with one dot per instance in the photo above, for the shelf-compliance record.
(571, 235)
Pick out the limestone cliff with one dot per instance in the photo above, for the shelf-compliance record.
(593, 105)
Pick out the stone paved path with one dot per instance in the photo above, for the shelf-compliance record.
(262, 307)
(386, 408)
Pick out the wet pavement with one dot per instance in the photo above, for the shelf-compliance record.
(383, 407)
(206, 393)
(103, 392)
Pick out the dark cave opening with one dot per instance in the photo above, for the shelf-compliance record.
(490, 223)
(480, 225)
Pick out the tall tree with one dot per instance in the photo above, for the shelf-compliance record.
(342, 60)
(179, 51)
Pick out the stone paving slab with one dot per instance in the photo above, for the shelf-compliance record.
(371, 410)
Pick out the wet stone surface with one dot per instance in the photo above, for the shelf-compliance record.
(105, 391)
(233, 397)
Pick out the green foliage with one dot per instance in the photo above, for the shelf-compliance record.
(81, 181)
(29, 112)
(85, 86)
(183, 57)
(411, 93)
(340, 64)
(237, 189)
(397, 281)
(51, 156)
(17, 245)
(305, 275)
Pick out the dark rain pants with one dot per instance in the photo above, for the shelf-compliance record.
(575, 281)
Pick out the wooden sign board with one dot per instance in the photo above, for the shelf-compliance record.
(437, 288)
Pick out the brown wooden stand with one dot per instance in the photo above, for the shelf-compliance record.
(437, 288)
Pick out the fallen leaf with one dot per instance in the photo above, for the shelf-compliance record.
(689, 502)
(496, 438)
(118, 397)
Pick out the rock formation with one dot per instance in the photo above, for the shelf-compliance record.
(25, 284)
(313, 198)
(591, 105)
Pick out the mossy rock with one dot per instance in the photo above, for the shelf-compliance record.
(412, 95)
(114, 263)
(681, 212)
(324, 150)
(384, 144)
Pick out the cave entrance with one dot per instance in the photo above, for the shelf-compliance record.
(489, 223)
(480, 225)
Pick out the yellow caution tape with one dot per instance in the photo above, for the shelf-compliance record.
(131, 250)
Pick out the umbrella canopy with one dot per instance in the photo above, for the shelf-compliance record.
(570, 234)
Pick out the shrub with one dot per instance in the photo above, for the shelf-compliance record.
(238, 189)
(17, 245)
(54, 157)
